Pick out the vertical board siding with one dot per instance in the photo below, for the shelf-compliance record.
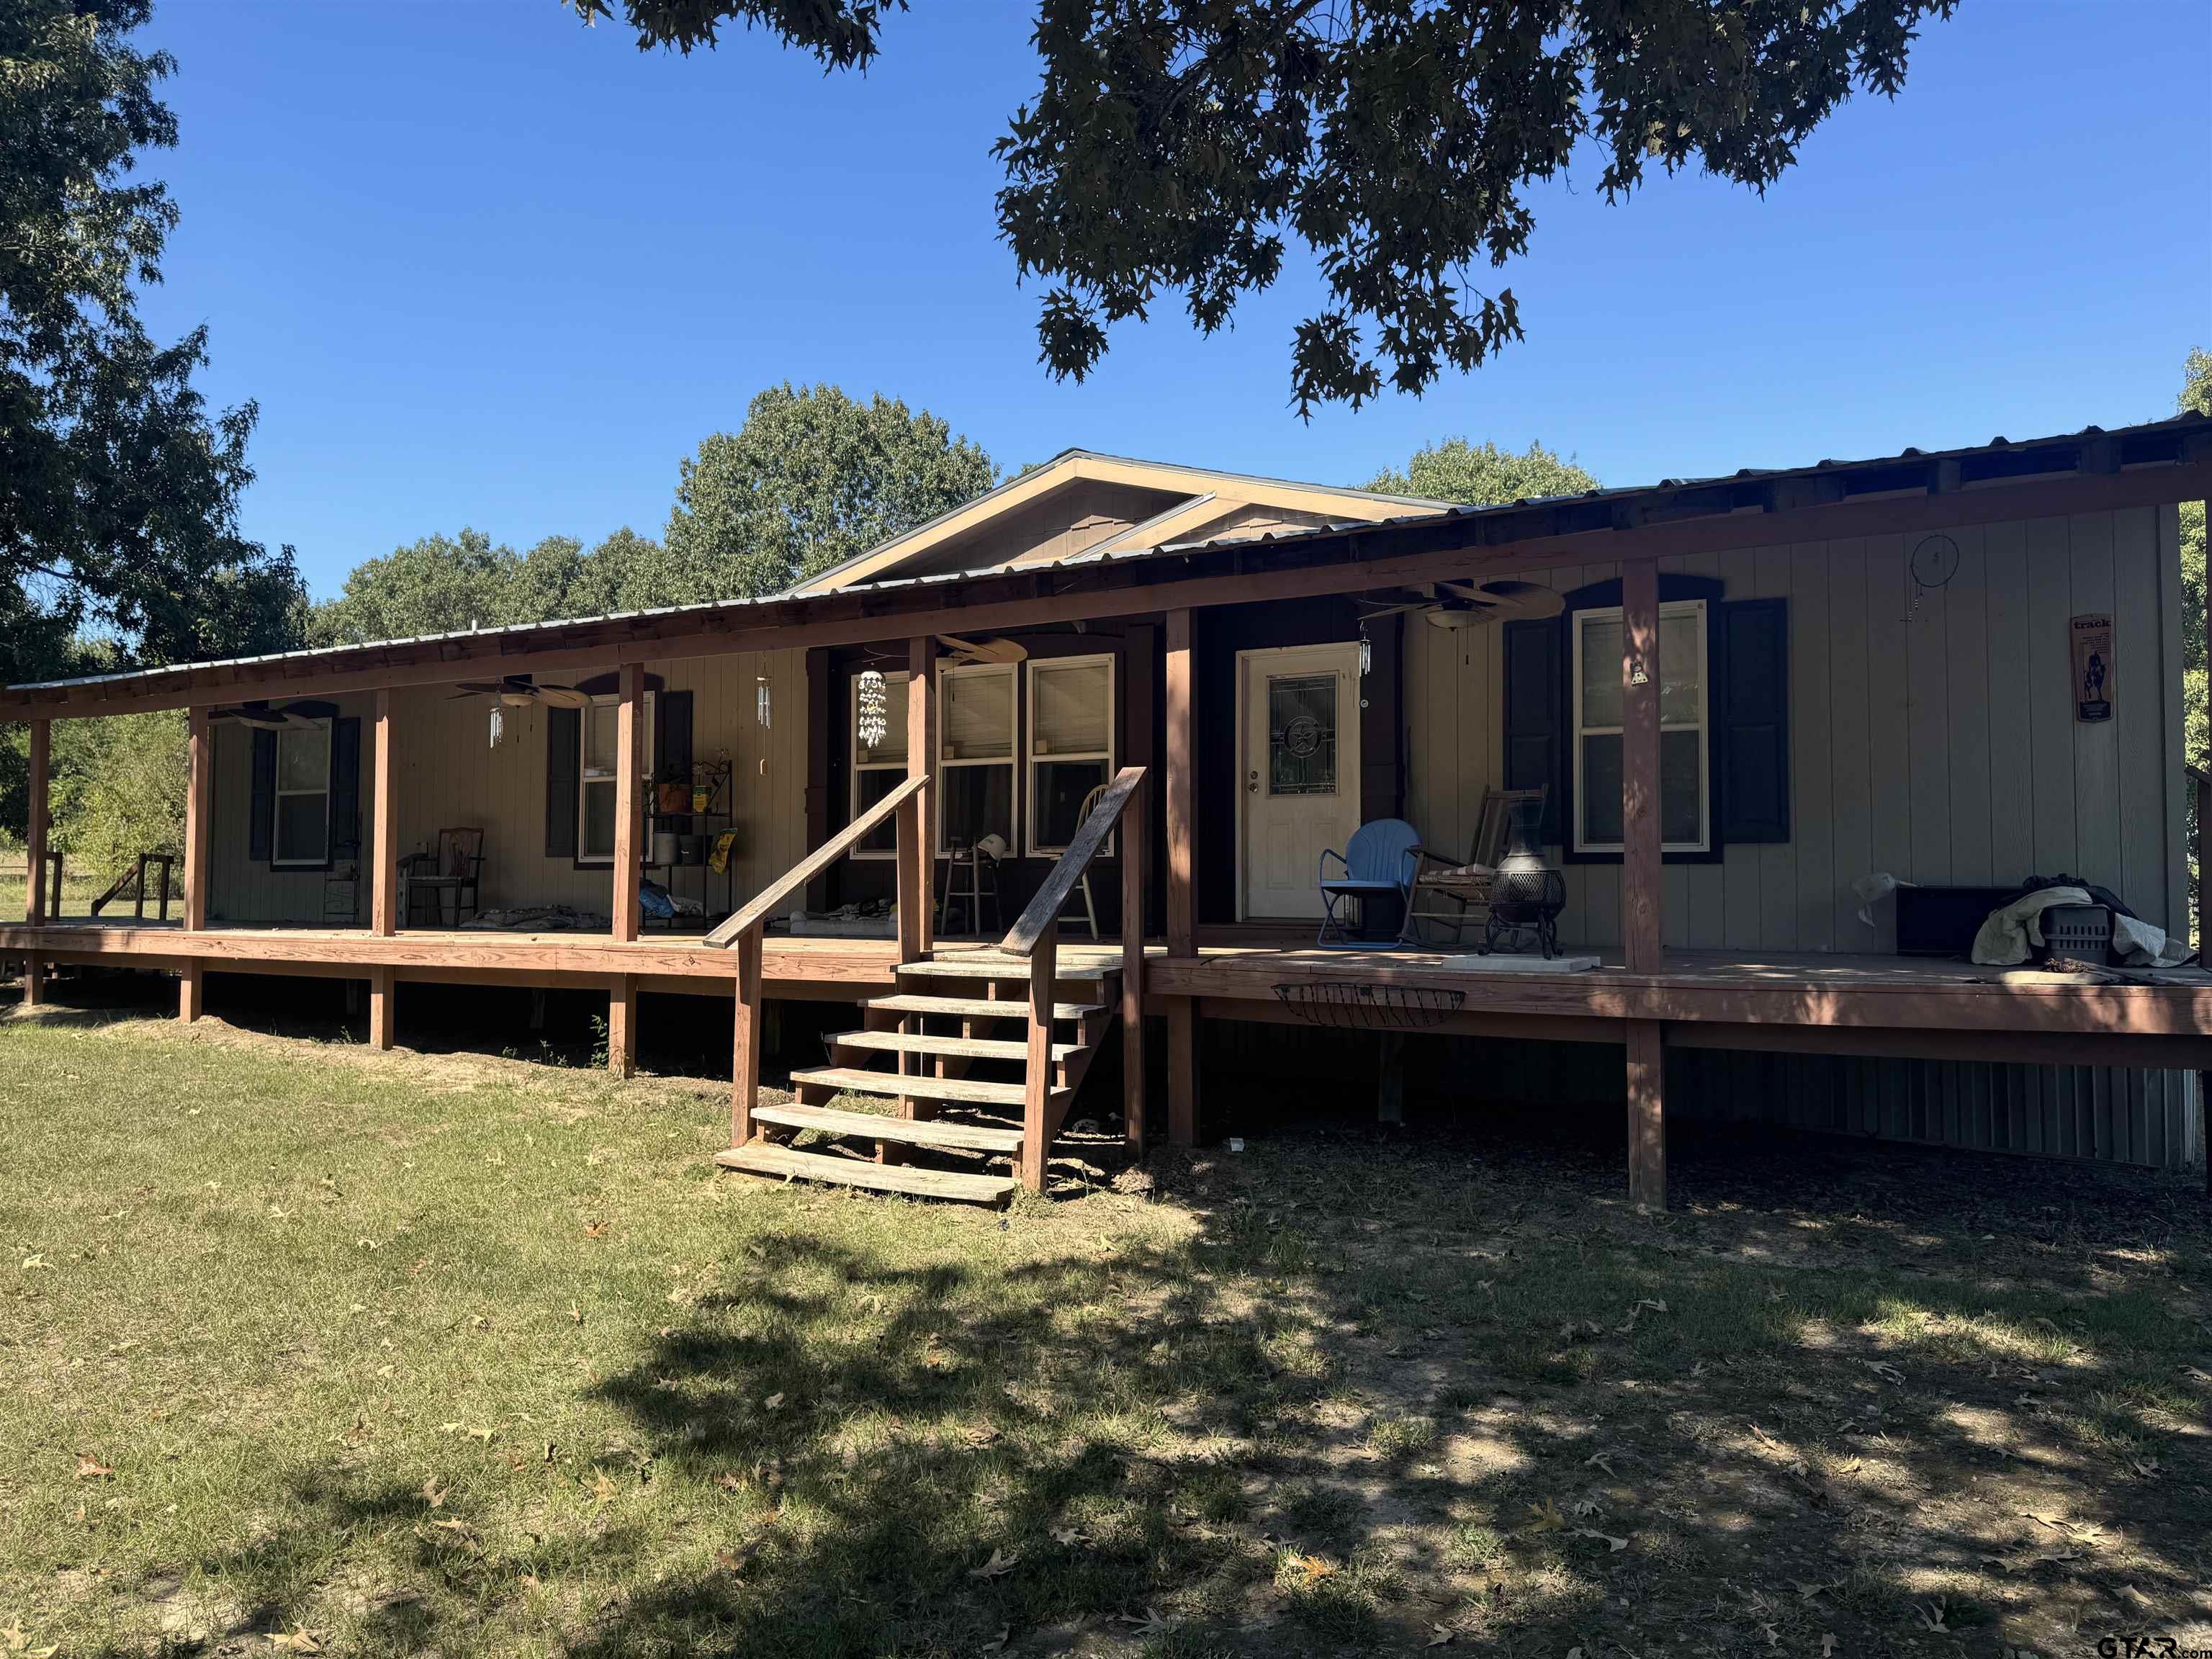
(446, 776)
(1932, 737)
(1932, 734)
(242, 890)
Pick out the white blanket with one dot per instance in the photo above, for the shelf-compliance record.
(2014, 934)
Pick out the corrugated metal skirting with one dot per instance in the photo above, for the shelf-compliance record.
(2105, 1113)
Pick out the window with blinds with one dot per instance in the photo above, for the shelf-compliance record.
(1070, 745)
(976, 755)
(879, 770)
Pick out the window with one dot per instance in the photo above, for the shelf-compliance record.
(596, 785)
(878, 771)
(1684, 823)
(975, 757)
(1070, 745)
(301, 825)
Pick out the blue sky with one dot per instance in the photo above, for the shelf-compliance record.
(483, 267)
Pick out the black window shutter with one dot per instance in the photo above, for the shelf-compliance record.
(672, 735)
(345, 785)
(564, 741)
(1751, 725)
(263, 821)
(1532, 733)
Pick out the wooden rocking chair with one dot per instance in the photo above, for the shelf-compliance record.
(1465, 886)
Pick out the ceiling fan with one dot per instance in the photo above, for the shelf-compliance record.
(970, 652)
(258, 716)
(519, 691)
(1470, 604)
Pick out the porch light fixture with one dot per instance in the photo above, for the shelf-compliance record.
(764, 703)
(874, 703)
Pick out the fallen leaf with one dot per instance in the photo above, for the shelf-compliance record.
(1068, 1537)
(998, 1566)
(1601, 1459)
(433, 1494)
(1884, 1369)
(298, 1642)
(1613, 1544)
(1150, 1625)
(997, 1643)
(595, 1229)
(603, 1489)
(729, 1482)
(1931, 1615)
(89, 1468)
(774, 1402)
(1440, 1635)
(31, 1262)
(1806, 1592)
(1546, 1516)
(1827, 1644)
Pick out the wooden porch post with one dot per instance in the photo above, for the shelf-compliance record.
(1182, 898)
(1641, 880)
(1647, 1114)
(199, 744)
(630, 851)
(1136, 830)
(1037, 1118)
(921, 762)
(745, 1037)
(1640, 874)
(35, 907)
(384, 873)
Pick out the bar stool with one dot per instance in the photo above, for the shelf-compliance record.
(980, 866)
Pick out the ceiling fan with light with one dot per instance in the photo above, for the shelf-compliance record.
(1470, 604)
(257, 715)
(519, 691)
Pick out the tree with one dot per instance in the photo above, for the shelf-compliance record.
(1456, 471)
(811, 477)
(118, 515)
(444, 584)
(1179, 146)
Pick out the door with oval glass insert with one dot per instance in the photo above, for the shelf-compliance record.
(1299, 791)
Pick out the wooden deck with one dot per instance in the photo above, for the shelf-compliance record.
(1905, 1007)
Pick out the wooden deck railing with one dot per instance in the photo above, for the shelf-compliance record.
(1036, 936)
(744, 930)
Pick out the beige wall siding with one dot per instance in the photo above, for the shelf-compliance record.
(241, 890)
(445, 774)
(1934, 741)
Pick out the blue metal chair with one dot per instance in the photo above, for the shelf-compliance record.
(1378, 861)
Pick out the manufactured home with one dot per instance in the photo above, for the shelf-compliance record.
(1716, 778)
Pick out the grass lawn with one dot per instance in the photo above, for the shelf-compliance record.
(78, 891)
(314, 1349)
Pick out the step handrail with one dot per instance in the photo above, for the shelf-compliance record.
(1036, 935)
(764, 904)
(1022, 939)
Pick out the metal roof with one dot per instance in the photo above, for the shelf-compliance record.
(1996, 449)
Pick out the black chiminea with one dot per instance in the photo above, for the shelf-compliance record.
(1526, 895)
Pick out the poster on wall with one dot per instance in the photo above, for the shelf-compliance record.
(2093, 668)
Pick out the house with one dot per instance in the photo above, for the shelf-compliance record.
(1166, 690)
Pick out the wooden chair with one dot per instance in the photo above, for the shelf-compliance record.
(1466, 885)
(1082, 886)
(1378, 862)
(448, 878)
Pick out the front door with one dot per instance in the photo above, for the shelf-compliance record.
(1300, 788)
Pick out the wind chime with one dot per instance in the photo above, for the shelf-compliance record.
(875, 709)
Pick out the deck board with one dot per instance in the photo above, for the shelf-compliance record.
(1230, 965)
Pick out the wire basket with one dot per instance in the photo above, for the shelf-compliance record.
(1365, 1005)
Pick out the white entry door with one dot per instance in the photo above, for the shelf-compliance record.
(1300, 789)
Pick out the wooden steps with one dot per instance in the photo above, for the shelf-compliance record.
(765, 1158)
(864, 1063)
(855, 1080)
(906, 1131)
(948, 1047)
(979, 964)
(907, 1002)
